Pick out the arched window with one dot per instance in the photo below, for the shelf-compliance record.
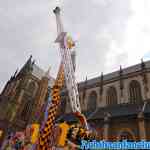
(91, 105)
(111, 97)
(26, 111)
(135, 92)
(33, 88)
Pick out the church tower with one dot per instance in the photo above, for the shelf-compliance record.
(23, 95)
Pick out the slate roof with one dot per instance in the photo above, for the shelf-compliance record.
(67, 117)
(113, 75)
(119, 110)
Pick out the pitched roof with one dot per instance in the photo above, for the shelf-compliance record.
(120, 110)
(114, 111)
(113, 75)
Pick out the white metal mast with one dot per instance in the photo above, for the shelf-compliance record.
(65, 51)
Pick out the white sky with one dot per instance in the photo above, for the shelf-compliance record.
(109, 33)
(136, 44)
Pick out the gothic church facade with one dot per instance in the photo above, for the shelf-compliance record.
(24, 97)
(117, 105)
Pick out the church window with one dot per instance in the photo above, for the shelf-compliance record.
(111, 97)
(33, 88)
(135, 91)
(92, 101)
(26, 111)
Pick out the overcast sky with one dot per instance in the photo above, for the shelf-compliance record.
(109, 33)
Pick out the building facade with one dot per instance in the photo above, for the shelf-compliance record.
(24, 96)
(117, 105)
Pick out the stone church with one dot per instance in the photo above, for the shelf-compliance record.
(24, 97)
(117, 105)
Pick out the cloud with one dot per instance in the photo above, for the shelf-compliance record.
(137, 34)
(98, 24)
(108, 33)
(26, 28)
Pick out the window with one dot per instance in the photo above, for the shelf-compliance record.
(26, 111)
(33, 88)
(92, 101)
(111, 97)
(135, 92)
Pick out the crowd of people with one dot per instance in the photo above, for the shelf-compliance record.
(20, 140)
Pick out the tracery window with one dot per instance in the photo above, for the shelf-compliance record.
(92, 101)
(135, 92)
(111, 97)
(33, 88)
(26, 111)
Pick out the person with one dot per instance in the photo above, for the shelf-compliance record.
(18, 144)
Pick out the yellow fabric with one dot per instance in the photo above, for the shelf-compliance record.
(34, 136)
(64, 130)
